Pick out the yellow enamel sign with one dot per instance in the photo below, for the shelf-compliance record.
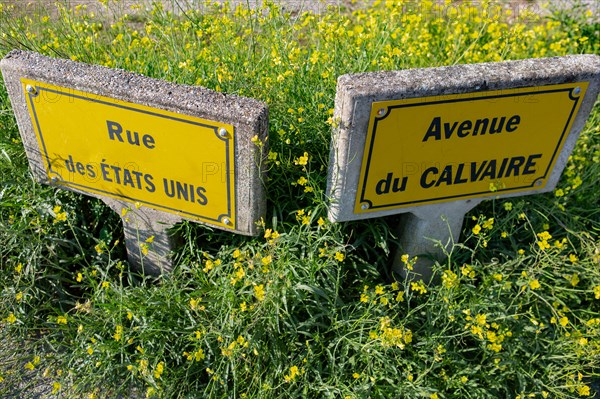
(164, 160)
(434, 149)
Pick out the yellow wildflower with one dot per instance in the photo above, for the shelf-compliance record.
(303, 160)
(259, 292)
(400, 296)
(544, 235)
(294, 371)
(118, 333)
(267, 260)
(574, 279)
(158, 371)
(488, 224)
(467, 271)
(55, 387)
(449, 279)
(59, 216)
(583, 390)
(481, 318)
(418, 286)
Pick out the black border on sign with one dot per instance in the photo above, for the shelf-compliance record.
(120, 196)
(466, 195)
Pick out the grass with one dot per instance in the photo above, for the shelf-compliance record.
(308, 308)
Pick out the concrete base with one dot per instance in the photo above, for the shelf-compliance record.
(429, 236)
(147, 238)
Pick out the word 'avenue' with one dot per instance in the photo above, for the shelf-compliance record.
(467, 127)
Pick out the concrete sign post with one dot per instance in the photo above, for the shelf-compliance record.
(155, 152)
(435, 142)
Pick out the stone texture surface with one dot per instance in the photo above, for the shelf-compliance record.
(248, 116)
(356, 93)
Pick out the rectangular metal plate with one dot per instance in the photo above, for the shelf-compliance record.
(164, 160)
(435, 149)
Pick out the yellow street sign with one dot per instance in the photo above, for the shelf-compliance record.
(435, 149)
(161, 159)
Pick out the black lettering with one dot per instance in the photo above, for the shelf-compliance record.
(117, 176)
(133, 139)
(182, 190)
(192, 193)
(104, 168)
(478, 124)
(424, 182)
(527, 170)
(514, 165)
(445, 177)
(476, 172)
(449, 130)
(402, 187)
(114, 130)
(149, 183)
(170, 193)
(459, 172)
(202, 200)
(90, 170)
(138, 176)
(383, 186)
(513, 123)
(80, 168)
(497, 129)
(69, 164)
(435, 130)
(464, 129)
(127, 179)
(490, 170)
(148, 141)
